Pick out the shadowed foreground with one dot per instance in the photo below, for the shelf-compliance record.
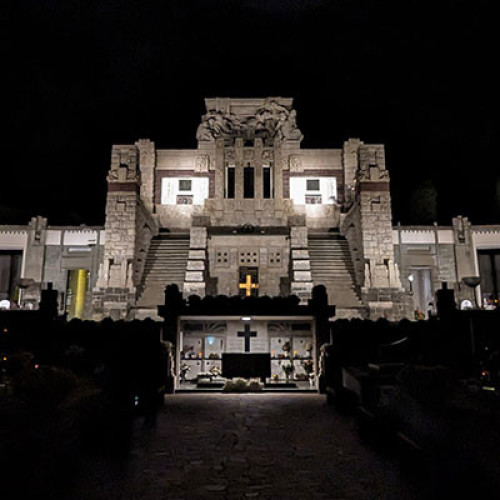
(246, 446)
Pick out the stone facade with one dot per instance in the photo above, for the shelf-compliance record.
(249, 203)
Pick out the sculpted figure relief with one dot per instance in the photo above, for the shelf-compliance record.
(271, 120)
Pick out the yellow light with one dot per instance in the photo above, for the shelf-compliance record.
(81, 289)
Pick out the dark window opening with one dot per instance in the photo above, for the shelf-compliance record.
(489, 271)
(10, 274)
(184, 185)
(230, 182)
(312, 185)
(266, 179)
(248, 182)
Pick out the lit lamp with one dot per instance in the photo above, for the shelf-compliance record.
(411, 279)
(473, 282)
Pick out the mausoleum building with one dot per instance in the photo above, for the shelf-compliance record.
(248, 212)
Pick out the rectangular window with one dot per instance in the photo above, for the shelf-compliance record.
(312, 185)
(266, 179)
(230, 182)
(184, 185)
(248, 182)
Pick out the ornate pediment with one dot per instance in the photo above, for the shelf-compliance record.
(249, 119)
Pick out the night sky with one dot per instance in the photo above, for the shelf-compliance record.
(83, 75)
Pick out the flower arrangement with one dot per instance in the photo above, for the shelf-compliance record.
(215, 371)
(242, 385)
(308, 366)
(419, 315)
(184, 368)
(288, 368)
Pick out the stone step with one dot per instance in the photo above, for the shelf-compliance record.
(339, 255)
(171, 244)
(328, 250)
(163, 251)
(165, 264)
(163, 276)
(332, 266)
(330, 243)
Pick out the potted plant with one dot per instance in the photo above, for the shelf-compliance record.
(288, 368)
(308, 365)
(184, 368)
(309, 348)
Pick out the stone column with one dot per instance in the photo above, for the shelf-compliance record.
(219, 169)
(464, 258)
(147, 163)
(34, 259)
(350, 162)
(194, 283)
(259, 187)
(382, 290)
(239, 164)
(302, 283)
(278, 170)
(114, 292)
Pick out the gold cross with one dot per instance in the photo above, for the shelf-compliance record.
(248, 285)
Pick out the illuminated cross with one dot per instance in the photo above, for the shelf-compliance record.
(247, 334)
(248, 285)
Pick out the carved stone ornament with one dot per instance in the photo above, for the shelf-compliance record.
(295, 163)
(268, 154)
(202, 163)
(124, 173)
(270, 121)
(248, 154)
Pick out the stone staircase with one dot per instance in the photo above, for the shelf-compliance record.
(332, 266)
(165, 265)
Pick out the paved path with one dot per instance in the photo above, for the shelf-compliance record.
(252, 446)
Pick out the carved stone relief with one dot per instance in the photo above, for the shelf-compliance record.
(270, 121)
(295, 163)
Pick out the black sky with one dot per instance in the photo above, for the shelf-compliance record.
(83, 75)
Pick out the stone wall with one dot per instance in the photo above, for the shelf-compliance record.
(270, 253)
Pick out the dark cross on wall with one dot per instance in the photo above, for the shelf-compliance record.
(247, 334)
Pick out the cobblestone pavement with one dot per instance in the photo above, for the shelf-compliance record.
(251, 446)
